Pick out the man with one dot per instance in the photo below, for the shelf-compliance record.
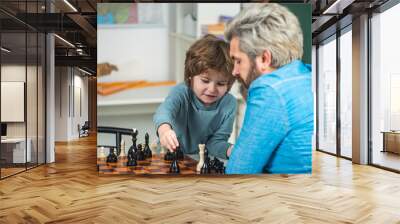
(266, 45)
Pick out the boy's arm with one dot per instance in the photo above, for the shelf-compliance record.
(264, 127)
(168, 110)
(218, 144)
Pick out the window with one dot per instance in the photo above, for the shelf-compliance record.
(327, 96)
(385, 89)
(346, 93)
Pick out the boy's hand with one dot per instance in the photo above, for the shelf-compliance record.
(229, 151)
(168, 137)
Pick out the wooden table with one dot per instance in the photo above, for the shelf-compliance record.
(154, 165)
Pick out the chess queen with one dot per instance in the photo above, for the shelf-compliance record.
(201, 110)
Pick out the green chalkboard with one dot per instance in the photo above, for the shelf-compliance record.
(304, 14)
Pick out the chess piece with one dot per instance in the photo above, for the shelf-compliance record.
(112, 158)
(217, 165)
(174, 168)
(131, 158)
(153, 148)
(134, 139)
(140, 153)
(179, 153)
(162, 150)
(101, 154)
(122, 150)
(147, 151)
(206, 165)
(169, 156)
(201, 154)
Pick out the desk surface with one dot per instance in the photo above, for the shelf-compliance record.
(13, 140)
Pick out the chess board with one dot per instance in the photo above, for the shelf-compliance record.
(154, 165)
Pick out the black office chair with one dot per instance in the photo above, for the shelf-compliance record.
(84, 130)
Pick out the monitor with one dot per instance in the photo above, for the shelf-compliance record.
(3, 129)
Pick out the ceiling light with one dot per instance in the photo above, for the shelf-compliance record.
(86, 72)
(337, 7)
(5, 49)
(65, 41)
(70, 5)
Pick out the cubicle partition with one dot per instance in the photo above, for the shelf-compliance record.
(22, 77)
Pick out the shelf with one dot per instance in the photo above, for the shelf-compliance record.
(184, 37)
(132, 101)
(131, 26)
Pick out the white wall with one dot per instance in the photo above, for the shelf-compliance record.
(68, 82)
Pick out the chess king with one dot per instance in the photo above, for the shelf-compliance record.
(200, 110)
(266, 45)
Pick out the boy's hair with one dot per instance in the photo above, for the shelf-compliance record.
(209, 53)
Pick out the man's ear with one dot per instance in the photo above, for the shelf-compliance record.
(263, 62)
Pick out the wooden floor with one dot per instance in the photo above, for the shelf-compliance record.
(70, 191)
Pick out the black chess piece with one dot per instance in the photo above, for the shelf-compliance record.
(168, 156)
(134, 139)
(131, 158)
(206, 166)
(179, 153)
(174, 168)
(139, 153)
(217, 165)
(112, 158)
(147, 151)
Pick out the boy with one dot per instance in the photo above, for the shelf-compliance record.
(200, 111)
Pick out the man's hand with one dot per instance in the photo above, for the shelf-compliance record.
(168, 137)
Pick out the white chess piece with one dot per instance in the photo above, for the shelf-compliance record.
(201, 154)
(122, 153)
(101, 153)
(162, 150)
(153, 148)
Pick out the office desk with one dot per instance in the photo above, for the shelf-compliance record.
(13, 150)
(391, 141)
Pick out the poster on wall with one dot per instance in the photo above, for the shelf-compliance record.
(12, 101)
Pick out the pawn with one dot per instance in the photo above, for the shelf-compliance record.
(101, 154)
(174, 168)
(179, 154)
(153, 148)
(140, 153)
(112, 158)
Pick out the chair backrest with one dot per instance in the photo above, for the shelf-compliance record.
(86, 125)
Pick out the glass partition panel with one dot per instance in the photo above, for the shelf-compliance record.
(346, 94)
(13, 93)
(327, 96)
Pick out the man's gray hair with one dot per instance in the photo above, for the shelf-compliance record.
(271, 27)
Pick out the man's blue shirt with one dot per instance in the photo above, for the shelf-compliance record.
(277, 130)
